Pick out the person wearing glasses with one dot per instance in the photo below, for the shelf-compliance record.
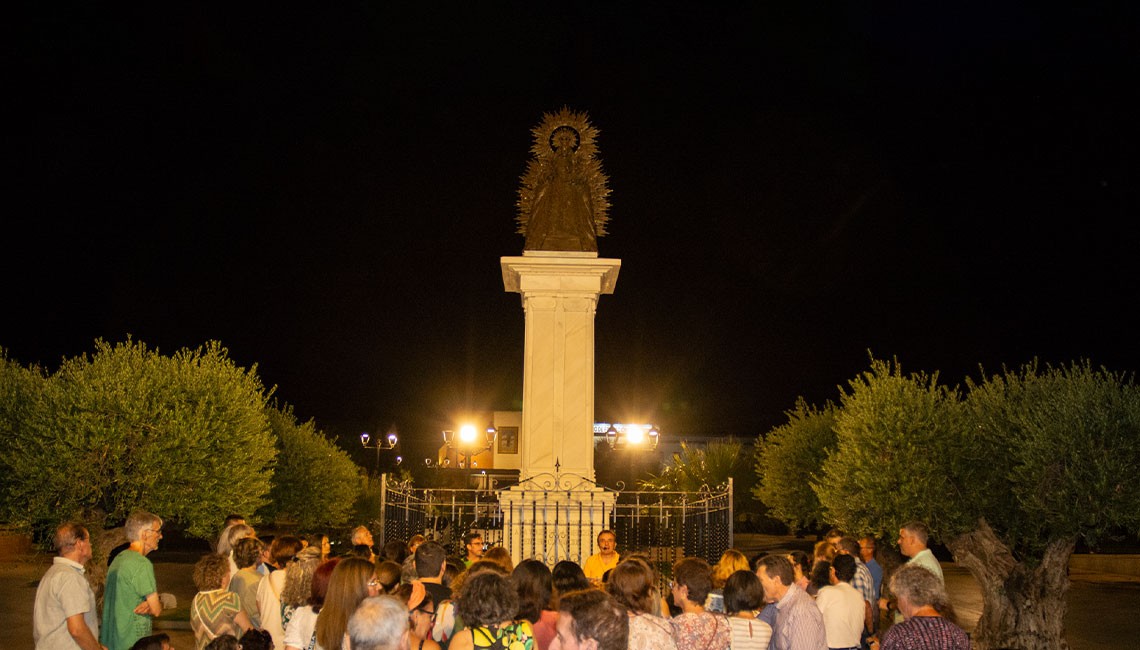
(130, 596)
(421, 615)
(65, 615)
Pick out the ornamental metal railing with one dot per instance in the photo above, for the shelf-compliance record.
(661, 525)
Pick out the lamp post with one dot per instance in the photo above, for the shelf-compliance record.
(469, 443)
(383, 444)
(632, 438)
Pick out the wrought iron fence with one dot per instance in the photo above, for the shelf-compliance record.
(665, 526)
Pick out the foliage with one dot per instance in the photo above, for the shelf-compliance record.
(789, 460)
(709, 466)
(315, 483)
(1061, 446)
(896, 439)
(183, 436)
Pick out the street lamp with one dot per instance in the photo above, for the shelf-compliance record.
(469, 442)
(633, 436)
(384, 444)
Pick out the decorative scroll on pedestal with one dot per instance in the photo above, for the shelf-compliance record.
(563, 201)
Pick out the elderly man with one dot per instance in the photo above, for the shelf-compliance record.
(65, 616)
(361, 536)
(590, 620)
(130, 597)
(799, 623)
(379, 623)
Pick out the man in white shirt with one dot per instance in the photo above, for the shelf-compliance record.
(65, 617)
(842, 606)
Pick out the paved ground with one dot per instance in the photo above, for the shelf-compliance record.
(1102, 607)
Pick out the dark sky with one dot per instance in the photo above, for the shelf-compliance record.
(328, 191)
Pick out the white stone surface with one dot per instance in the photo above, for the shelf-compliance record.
(560, 293)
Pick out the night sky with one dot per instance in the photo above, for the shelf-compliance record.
(328, 190)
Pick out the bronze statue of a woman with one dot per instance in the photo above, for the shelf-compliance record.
(563, 199)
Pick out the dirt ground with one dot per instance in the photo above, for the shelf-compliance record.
(1102, 607)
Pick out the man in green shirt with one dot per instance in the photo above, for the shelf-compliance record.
(130, 598)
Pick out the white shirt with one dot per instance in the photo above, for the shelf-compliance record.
(842, 608)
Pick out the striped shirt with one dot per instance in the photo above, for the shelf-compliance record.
(799, 625)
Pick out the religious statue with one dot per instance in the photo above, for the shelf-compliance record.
(563, 201)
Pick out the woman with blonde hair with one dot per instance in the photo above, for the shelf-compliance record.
(730, 562)
(353, 580)
(300, 631)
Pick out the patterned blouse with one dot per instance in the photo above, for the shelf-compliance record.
(649, 632)
(701, 631)
(212, 614)
(925, 633)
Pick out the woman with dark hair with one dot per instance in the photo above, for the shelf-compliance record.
(300, 631)
(395, 551)
(388, 573)
(160, 641)
(282, 552)
(820, 577)
(743, 596)
(421, 614)
(694, 627)
(488, 606)
(256, 640)
(801, 567)
(353, 580)
(929, 620)
(535, 586)
(568, 576)
(633, 585)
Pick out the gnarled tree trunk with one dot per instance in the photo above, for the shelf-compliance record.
(1023, 606)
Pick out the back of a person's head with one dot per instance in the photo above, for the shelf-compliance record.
(152, 642)
(284, 549)
(743, 592)
(820, 574)
(632, 584)
(731, 561)
(388, 573)
(595, 615)
(568, 576)
(849, 545)
(696, 574)
(224, 642)
(486, 597)
(320, 585)
(844, 566)
(430, 557)
(256, 640)
(535, 587)
(500, 555)
(211, 571)
(379, 623)
(247, 552)
(395, 551)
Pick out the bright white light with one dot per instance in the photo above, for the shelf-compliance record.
(634, 434)
(467, 434)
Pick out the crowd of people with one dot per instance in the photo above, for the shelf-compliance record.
(288, 593)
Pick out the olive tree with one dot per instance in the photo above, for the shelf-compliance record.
(315, 484)
(184, 436)
(1009, 476)
(789, 459)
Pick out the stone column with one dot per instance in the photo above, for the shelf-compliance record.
(559, 294)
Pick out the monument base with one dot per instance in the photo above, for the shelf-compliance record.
(551, 520)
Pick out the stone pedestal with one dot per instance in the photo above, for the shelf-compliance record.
(551, 525)
(559, 294)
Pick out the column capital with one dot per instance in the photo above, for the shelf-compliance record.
(559, 272)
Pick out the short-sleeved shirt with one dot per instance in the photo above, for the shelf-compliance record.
(596, 565)
(63, 593)
(129, 581)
